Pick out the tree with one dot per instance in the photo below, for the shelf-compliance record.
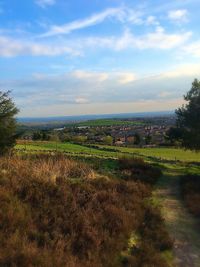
(7, 122)
(37, 136)
(188, 118)
(80, 139)
(137, 139)
(174, 135)
(108, 140)
(148, 139)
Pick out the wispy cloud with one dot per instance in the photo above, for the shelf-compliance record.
(124, 15)
(158, 39)
(179, 15)
(126, 77)
(45, 3)
(192, 49)
(86, 75)
(152, 20)
(10, 47)
(87, 22)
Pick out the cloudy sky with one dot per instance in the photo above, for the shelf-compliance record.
(98, 56)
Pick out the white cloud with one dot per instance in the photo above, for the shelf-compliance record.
(124, 90)
(133, 16)
(45, 3)
(193, 49)
(152, 20)
(87, 22)
(179, 15)
(124, 15)
(158, 39)
(121, 77)
(81, 100)
(186, 70)
(126, 77)
(11, 47)
(165, 94)
(161, 39)
(86, 75)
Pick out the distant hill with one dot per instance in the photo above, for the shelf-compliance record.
(79, 118)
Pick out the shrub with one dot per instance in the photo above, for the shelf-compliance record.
(138, 170)
(190, 186)
(49, 219)
(45, 212)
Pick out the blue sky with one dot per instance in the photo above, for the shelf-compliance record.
(103, 56)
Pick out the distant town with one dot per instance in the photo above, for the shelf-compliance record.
(142, 132)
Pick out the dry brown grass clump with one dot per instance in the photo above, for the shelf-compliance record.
(45, 167)
(136, 169)
(49, 219)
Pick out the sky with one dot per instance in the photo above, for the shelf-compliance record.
(73, 57)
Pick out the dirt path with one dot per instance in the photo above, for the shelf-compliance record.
(182, 226)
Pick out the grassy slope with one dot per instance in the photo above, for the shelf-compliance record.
(163, 153)
(160, 153)
(65, 147)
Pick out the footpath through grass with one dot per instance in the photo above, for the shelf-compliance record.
(181, 225)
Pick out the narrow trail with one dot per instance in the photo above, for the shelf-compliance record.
(182, 226)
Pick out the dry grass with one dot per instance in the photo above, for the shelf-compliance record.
(136, 169)
(49, 219)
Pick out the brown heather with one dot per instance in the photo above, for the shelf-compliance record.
(190, 185)
(54, 212)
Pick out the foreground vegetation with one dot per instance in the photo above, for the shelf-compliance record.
(190, 188)
(60, 212)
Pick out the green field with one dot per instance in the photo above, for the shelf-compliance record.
(103, 151)
(162, 153)
(108, 122)
(66, 147)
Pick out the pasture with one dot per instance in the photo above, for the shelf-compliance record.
(171, 154)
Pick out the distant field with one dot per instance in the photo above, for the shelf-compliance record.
(103, 151)
(163, 153)
(65, 147)
(108, 122)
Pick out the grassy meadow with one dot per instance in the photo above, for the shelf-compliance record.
(171, 154)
